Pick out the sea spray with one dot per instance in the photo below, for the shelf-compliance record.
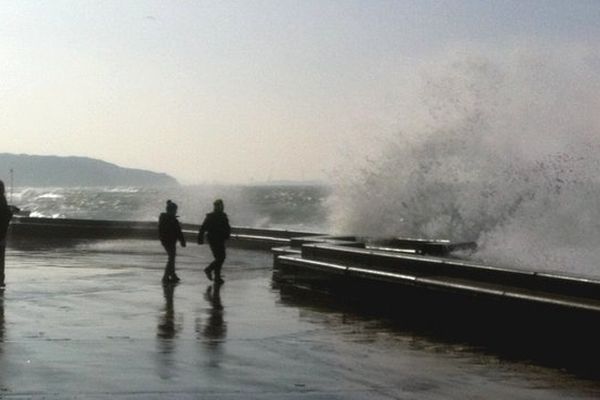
(503, 150)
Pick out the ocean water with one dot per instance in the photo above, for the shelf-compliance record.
(269, 206)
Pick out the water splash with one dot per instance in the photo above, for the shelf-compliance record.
(506, 154)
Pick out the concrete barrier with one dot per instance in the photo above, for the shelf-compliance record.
(424, 246)
(26, 227)
(347, 265)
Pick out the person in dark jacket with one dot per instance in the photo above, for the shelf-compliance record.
(6, 213)
(217, 229)
(170, 232)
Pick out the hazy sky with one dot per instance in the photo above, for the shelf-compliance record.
(238, 91)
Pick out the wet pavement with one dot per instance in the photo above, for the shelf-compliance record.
(91, 320)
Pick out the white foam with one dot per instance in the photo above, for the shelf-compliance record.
(50, 196)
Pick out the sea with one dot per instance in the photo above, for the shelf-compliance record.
(297, 207)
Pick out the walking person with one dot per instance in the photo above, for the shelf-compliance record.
(169, 231)
(217, 229)
(6, 213)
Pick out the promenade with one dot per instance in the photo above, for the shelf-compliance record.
(91, 320)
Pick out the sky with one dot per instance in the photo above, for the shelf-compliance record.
(240, 91)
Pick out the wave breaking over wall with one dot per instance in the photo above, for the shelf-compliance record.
(503, 149)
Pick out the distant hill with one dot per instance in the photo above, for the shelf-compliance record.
(32, 170)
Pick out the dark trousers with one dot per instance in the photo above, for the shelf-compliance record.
(2, 253)
(218, 250)
(171, 252)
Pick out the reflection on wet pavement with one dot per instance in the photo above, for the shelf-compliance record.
(211, 327)
(215, 327)
(92, 320)
(167, 329)
(1, 318)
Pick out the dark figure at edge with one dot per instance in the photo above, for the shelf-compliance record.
(170, 232)
(6, 213)
(217, 229)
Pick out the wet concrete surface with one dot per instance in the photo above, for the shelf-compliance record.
(91, 320)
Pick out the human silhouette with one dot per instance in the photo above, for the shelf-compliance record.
(217, 229)
(6, 213)
(169, 231)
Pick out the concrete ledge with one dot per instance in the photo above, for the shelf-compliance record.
(471, 288)
(426, 246)
(271, 232)
(349, 241)
(426, 266)
(76, 228)
(95, 229)
(256, 242)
